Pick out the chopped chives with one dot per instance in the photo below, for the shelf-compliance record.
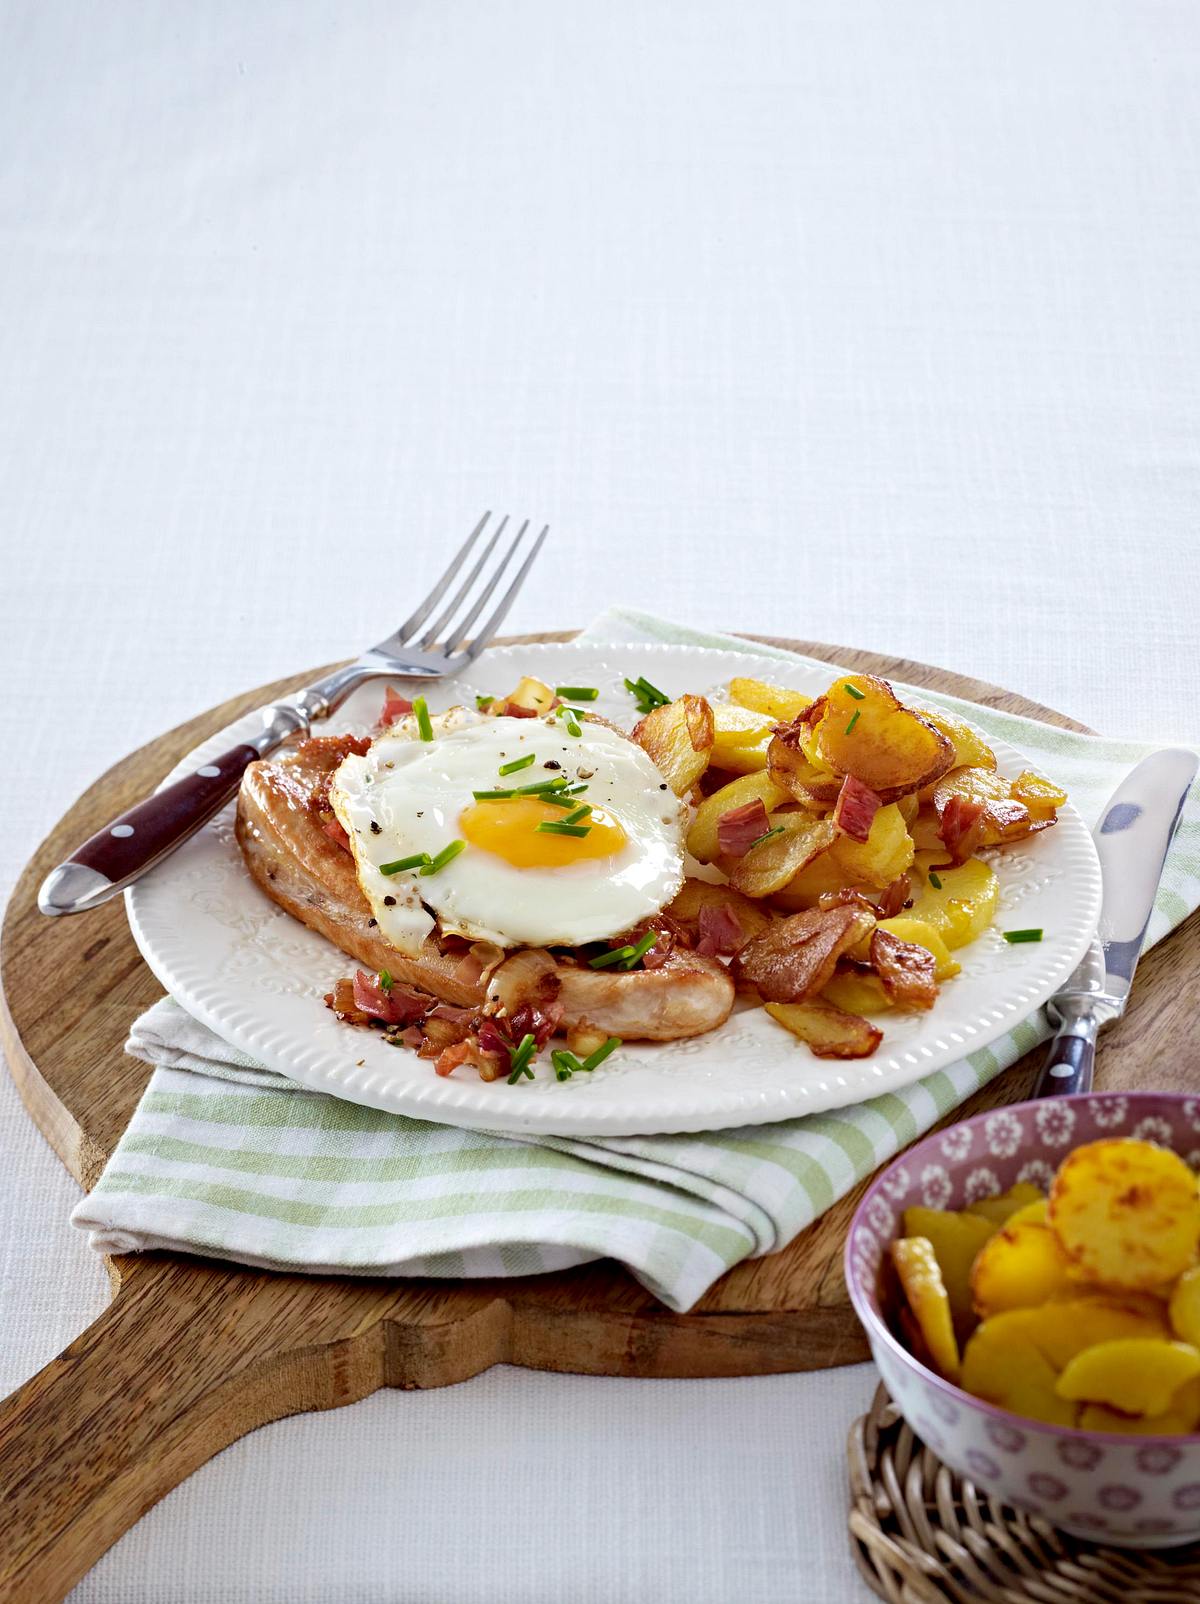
(558, 799)
(1015, 937)
(594, 1060)
(853, 690)
(576, 693)
(385, 980)
(482, 702)
(647, 696)
(492, 796)
(636, 954)
(765, 836)
(557, 784)
(574, 727)
(849, 727)
(581, 812)
(553, 827)
(445, 856)
(424, 726)
(607, 959)
(518, 763)
(417, 861)
(935, 880)
(565, 1063)
(519, 1059)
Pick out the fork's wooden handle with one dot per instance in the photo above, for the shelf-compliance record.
(128, 846)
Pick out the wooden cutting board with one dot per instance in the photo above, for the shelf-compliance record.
(191, 1354)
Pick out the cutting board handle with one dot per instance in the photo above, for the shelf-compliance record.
(187, 1358)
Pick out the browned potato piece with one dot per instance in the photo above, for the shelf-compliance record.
(921, 1277)
(678, 738)
(866, 731)
(883, 857)
(1003, 818)
(827, 1030)
(1042, 797)
(769, 867)
(970, 748)
(795, 957)
(1126, 1212)
(531, 693)
(856, 991)
(694, 895)
(778, 703)
(791, 768)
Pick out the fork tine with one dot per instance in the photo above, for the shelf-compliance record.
(461, 630)
(439, 590)
(460, 595)
(510, 595)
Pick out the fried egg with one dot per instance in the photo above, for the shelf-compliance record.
(511, 882)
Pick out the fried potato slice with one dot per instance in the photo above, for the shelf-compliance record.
(884, 856)
(970, 748)
(866, 731)
(694, 895)
(826, 1030)
(531, 693)
(962, 905)
(795, 957)
(957, 1237)
(1126, 1213)
(1066, 1326)
(906, 970)
(1020, 1266)
(740, 738)
(1002, 1364)
(1184, 1307)
(789, 759)
(857, 992)
(921, 1277)
(769, 867)
(920, 934)
(1041, 796)
(1137, 1375)
(1180, 1420)
(678, 738)
(806, 888)
(999, 1210)
(779, 704)
(1001, 817)
(702, 840)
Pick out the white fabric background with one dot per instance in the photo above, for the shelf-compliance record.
(861, 321)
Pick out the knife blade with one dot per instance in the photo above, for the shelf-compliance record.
(1132, 838)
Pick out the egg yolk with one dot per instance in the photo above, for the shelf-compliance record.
(510, 830)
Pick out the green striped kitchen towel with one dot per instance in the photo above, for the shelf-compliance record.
(227, 1159)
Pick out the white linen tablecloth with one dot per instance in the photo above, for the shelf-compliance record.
(859, 322)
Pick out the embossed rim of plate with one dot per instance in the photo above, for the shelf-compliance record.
(268, 1029)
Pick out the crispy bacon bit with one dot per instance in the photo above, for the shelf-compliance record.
(395, 707)
(398, 1005)
(451, 1057)
(513, 710)
(855, 809)
(905, 969)
(795, 957)
(333, 829)
(720, 931)
(895, 897)
(341, 1001)
(738, 829)
(961, 827)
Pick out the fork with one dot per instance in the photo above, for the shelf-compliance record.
(151, 830)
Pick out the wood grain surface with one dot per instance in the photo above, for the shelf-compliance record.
(191, 1354)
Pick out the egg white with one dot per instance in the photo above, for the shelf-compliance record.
(406, 795)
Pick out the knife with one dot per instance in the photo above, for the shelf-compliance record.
(1132, 838)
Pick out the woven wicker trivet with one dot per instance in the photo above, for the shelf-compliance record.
(923, 1535)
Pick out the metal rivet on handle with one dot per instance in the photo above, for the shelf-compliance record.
(121, 830)
(210, 771)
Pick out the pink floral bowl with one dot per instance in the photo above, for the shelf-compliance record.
(1138, 1491)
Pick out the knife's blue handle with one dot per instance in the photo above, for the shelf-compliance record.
(1068, 1067)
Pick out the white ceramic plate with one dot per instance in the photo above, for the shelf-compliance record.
(257, 977)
